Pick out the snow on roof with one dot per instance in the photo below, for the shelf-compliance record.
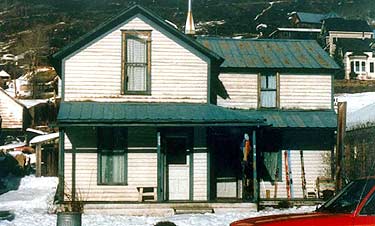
(299, 29)
(360, 109)
(4, 74)
(362, 118)
(44, 138)
(29, 103)
(36, 131)
(12, 146)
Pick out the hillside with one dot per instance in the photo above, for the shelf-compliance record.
(44, 26)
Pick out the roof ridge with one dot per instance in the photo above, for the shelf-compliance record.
(251, 39)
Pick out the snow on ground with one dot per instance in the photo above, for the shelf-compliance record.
(33, 200)
(360, 109)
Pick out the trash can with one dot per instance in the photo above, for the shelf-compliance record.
(69, 219)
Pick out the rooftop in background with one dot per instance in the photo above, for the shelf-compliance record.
(341, 24)
(270, 53)
(313, 18)
(354, 44)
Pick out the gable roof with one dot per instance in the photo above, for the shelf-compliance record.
(270, 53)
(119, 19)
(341, 24)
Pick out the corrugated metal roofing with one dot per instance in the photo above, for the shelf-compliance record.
(270, 53)
(314, 18)
(81, 113)
(297, 119)
(341, 24)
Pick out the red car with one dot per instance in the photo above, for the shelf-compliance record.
(354, 205)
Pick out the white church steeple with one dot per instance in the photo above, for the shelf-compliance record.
(189, 26)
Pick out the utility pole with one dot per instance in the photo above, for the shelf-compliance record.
(341, 126)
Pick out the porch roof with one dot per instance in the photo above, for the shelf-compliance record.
(297, 119)
(152, 114)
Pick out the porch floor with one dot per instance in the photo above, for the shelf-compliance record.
(166, 209)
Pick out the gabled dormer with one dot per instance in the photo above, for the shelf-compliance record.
(137, 57)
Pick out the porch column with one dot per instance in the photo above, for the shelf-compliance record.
(61, 165)
(255, 173)
(73, 173)
(38, 172)
(159, 168)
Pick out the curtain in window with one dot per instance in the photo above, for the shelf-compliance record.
(113, 167)
(136, 64)
(268, 91)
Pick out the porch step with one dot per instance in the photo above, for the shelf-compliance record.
(193, 210)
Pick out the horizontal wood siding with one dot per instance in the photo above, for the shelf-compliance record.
(94, 73)
(242, 90)
(200, 176)
(11, 112)
(305, 92)
(142, 165)
(317, 163)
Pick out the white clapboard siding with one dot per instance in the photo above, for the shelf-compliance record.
(305, 92)
(11, 112)
(317, 164)
(242, 90)
(94, 72)
(142, 171)
(200, 176)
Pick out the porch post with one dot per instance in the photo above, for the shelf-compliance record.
(160, 168)
(73, 173)
(38, 172)
(61, 165)
(255, 174)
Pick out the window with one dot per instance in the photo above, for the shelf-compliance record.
(371, 67)
(369, 207)
(268, 91)
(136, 66)
(357, 66)
(112, 164)
(363, 66)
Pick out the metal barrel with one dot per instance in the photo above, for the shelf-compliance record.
(69, 219)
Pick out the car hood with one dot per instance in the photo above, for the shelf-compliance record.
(307, 219)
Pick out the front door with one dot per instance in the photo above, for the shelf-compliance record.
(178, 167)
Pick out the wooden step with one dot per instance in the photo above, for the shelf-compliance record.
(193, 210)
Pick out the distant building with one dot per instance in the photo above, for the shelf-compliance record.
(296, 33)
(334, 29)
(309, 20)
(358, 58)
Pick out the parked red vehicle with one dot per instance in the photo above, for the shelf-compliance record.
(354, 205)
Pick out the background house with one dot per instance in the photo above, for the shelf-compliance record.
(309, 20)
(334, 29)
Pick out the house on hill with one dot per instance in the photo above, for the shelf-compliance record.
(358, 58)
(334, 29)
(309, 20)
(151, 114)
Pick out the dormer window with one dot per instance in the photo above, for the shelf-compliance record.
(136, 62)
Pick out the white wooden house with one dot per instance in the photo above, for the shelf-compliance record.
(146, 107)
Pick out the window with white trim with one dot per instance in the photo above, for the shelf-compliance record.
(136, 66)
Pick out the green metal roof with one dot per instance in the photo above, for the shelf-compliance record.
(297, 119)
(153, 114)
(270, 53)
(121, 18)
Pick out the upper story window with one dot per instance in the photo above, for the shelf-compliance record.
(268, 91)
(136, 62)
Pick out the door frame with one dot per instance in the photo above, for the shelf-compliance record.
(162, 135)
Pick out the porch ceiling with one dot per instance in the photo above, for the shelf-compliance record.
(152, 114)
(297, 119)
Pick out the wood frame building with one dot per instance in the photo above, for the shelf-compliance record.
(174, 132)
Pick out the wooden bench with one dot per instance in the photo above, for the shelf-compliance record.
(147, 194)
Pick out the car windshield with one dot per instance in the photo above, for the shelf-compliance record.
(347, 200)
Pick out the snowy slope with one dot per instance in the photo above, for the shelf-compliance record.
(33, 199)
(360, 109)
